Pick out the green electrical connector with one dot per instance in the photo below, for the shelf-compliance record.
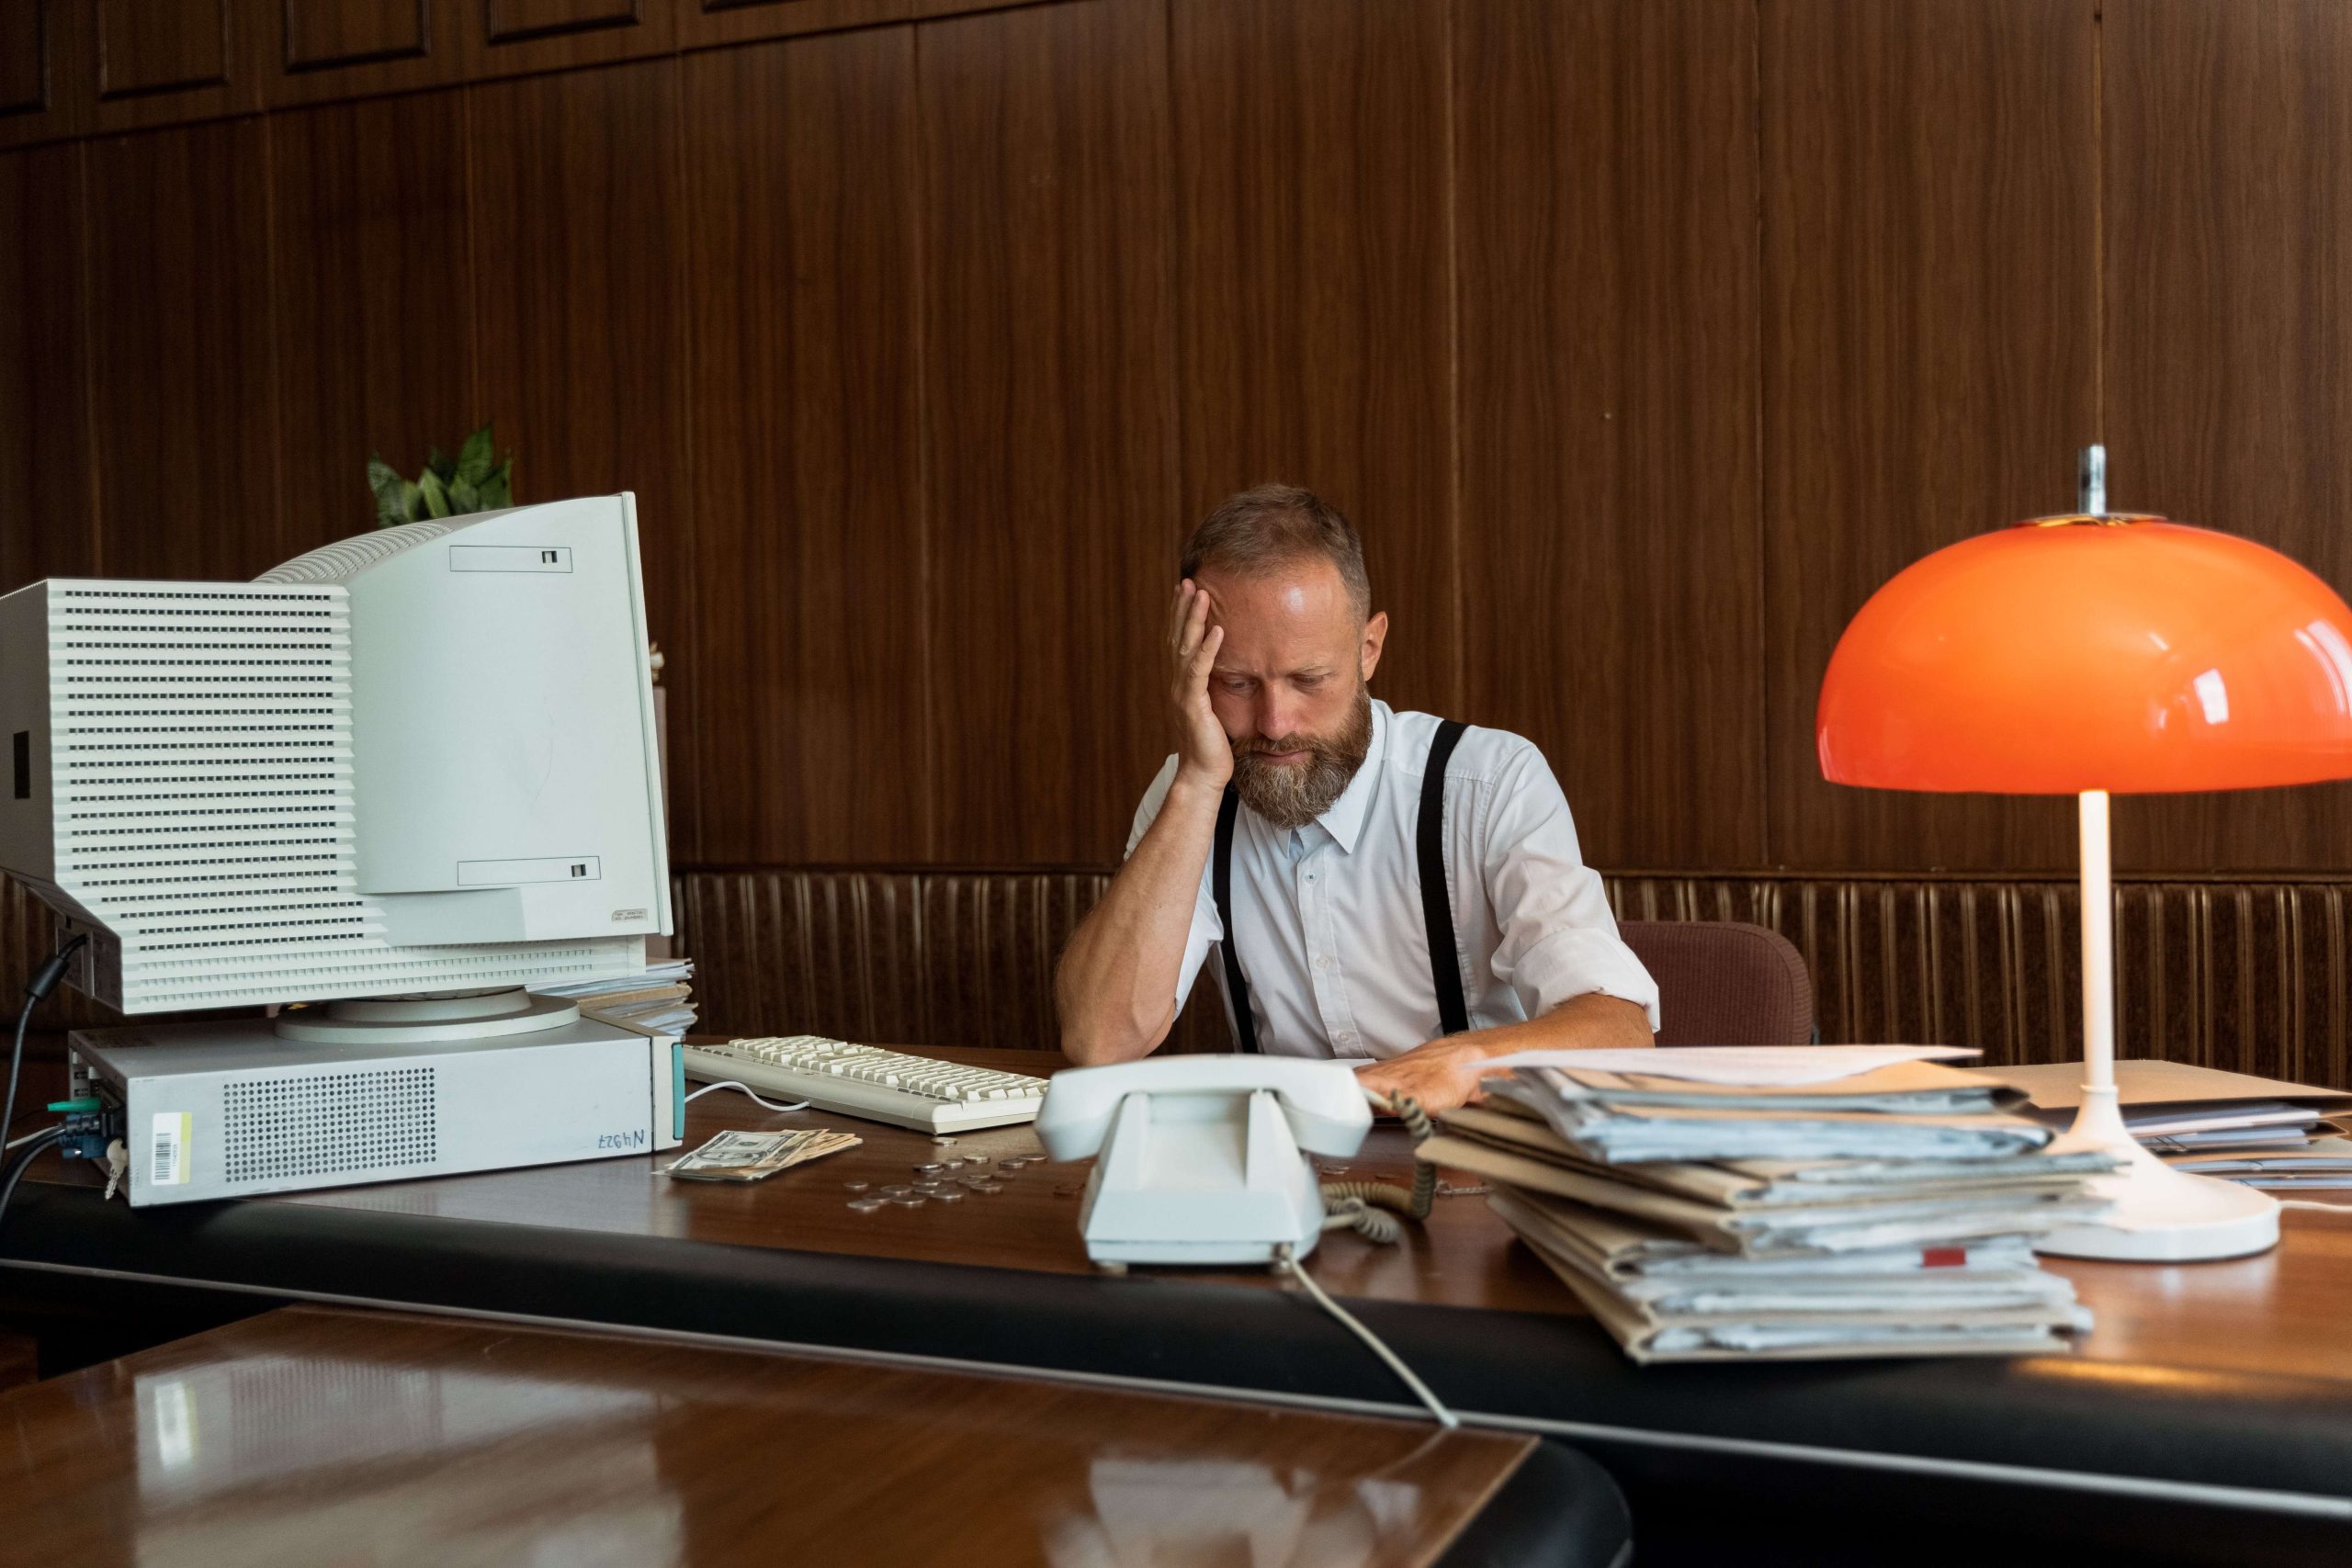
(69, 1107)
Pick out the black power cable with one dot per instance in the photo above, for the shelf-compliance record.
(24, 1163)
(43, 982)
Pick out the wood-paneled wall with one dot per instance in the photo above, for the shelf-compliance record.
(1642, 340)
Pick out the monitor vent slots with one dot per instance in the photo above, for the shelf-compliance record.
(204, 813)
(291, 1127)
(348, 557)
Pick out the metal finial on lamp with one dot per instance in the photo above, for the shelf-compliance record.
(2091, 654)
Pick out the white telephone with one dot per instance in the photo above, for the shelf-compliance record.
(1204, 1159)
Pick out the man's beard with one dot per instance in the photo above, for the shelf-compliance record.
(1292, 794)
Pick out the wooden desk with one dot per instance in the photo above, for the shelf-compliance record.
(2219, 1391)
(315, 1435)
(2288, 1310)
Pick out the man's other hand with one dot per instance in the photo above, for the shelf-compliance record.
(1203, 753)
(1441, 1074)
(1446, 1073)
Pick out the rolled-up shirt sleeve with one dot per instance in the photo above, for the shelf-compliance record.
(1559, 939)
(1206, 928)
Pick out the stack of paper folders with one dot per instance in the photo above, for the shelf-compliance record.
(659, 997)
(1826, 1201)
(2320, 1163)
(2261, 1132)
(2261, 1142)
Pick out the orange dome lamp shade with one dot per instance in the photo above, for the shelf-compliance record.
(2081, 655)
(2127, 654)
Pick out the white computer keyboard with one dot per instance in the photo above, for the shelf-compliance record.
(866, 1080)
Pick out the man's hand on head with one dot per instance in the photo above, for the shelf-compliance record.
(1203, 751)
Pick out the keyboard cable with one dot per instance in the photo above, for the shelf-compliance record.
(744, 1088)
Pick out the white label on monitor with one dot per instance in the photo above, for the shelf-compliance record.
(170, 1150)
(510, 557)
(508, 872)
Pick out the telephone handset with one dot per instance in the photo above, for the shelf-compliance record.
(1202, 1156)
(1328, 1112)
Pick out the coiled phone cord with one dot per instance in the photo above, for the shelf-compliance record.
(1357, 1205)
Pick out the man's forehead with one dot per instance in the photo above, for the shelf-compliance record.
(1281, 627)
(1309, 594)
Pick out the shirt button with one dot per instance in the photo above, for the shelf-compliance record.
(1345, 1040)
(1323, 963)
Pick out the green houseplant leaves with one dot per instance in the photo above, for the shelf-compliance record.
(476, 480)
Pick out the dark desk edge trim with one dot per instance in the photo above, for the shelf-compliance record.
(2297, 1504)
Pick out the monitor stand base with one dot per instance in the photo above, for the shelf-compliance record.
(416, 1021)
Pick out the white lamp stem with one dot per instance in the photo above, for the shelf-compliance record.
(2160, 1214)
(2099, 948)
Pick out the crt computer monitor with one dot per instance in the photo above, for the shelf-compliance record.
(418, 762)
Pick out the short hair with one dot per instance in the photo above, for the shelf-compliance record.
(1273, 526)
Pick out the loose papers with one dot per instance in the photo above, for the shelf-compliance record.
(658, 998)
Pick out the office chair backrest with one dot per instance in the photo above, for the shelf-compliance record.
(1722, 982)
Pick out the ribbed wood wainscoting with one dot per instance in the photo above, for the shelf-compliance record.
(2248, 975)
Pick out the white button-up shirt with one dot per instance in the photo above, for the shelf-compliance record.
(1328, 917)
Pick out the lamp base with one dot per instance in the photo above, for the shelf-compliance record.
(2162, 1216)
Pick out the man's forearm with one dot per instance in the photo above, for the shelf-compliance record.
(1115, 987)
(1589, 1023)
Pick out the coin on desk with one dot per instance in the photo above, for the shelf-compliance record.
(854, 1186)
(867, 1206)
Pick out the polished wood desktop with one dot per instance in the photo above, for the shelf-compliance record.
(318, 1436)
(2209, 1413)
(2279, 1311)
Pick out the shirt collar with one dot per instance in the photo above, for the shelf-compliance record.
(1344, 818)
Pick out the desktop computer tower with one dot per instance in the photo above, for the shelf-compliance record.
(231, 1110)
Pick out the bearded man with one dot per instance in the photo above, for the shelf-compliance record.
(1379, 886)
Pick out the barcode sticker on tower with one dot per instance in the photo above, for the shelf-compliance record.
(174, 1133)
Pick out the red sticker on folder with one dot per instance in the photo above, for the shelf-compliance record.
(1943, 1258)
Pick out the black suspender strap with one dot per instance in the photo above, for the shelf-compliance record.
(1437, 911)
(1237, 990)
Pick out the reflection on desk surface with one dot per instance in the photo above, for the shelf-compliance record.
(316, 1435)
